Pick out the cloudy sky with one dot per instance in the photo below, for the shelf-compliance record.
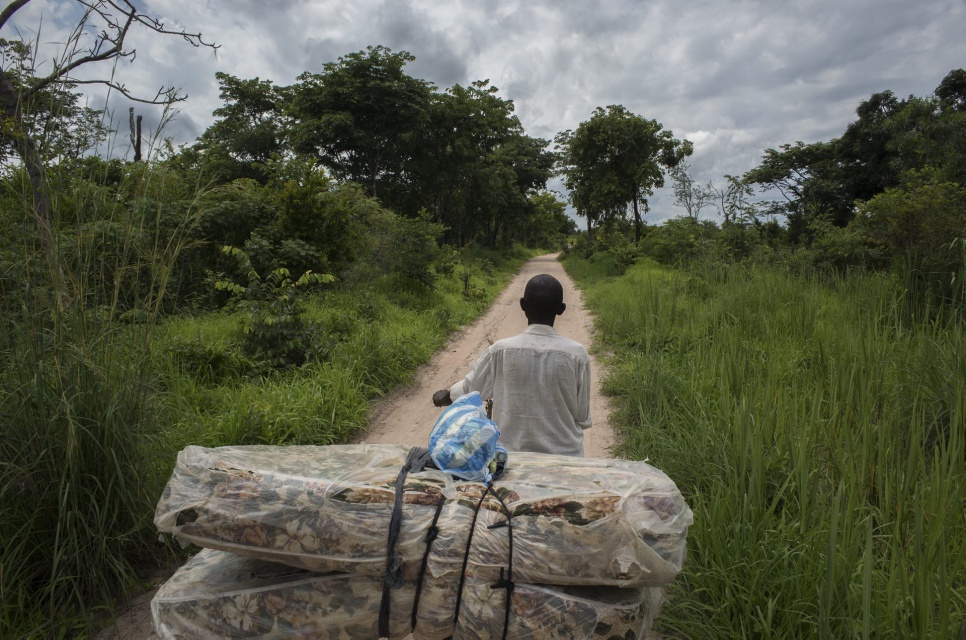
(733, 76)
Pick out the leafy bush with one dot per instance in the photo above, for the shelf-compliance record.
(839, 249)
(679, 240)
(320, 213)
(275, 330)
(917, 224)
(399, 245)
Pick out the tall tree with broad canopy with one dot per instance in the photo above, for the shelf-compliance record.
(476, 166)
(361, 115)
(112, 21)
(250, 130)
(616, 159)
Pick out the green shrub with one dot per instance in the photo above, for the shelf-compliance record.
(916, 226)
(398, 245)
(275, 330)
(679, 240)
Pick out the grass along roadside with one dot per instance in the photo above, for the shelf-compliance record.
(375, 336)
(95, 411)
(818, 437)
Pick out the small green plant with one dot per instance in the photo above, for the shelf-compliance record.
(275, 330)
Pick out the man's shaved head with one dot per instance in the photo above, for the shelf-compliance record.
(543, 295)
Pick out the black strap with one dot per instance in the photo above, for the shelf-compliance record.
(507, 582)
(431, 535)
(466, 557)
(415, 461)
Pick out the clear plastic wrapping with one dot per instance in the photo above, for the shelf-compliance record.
(576, 521)
(223, 595)
(536, 611)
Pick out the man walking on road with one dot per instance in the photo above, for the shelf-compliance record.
(539, 381)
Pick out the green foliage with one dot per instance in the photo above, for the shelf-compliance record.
(616, 159)
(405, 246)
(275, 329)
(838, 249)
(918, 229)
(378, 333)
(478, 167)
(62, 129)
(817, 435)
(679, 240)
(77, 392)
(549, 225)
(460, 155)
(249, 132)
(889, 138)
(360, 116)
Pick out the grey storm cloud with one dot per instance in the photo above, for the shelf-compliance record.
(734, 76)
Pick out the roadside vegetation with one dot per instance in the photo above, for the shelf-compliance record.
(798, 367)
(815, 431)
(260, 286)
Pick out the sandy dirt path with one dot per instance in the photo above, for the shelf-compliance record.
(407, 415)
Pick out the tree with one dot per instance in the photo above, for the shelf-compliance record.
(889, 138)
(548, 224)
(60, 127)
(687, 193)
(250, 130)
(922, 223)
(476, 165)
(808, 179)
(112, 20)
(615, 160)
(361, 115)
(952, 90)
(732, 200)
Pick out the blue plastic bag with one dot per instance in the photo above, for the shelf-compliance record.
(463, 441)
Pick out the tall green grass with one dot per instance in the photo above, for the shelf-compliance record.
(818, 435)
(76, 398)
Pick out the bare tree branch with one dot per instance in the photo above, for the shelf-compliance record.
(116, 18)
(117, 28)
(165, 95)
(11, 9)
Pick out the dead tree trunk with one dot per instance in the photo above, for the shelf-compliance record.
(135, 134)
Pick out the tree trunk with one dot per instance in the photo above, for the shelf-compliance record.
(135, 134)
(36, 171)
(590, 229)
(637, 223)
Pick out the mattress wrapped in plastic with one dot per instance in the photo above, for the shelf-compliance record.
(536, 611)
(223, 595)
(575, 521)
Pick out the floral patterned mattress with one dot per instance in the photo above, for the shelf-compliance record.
(224, 595)
(575, 521)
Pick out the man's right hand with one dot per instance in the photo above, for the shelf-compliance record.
(441, 398)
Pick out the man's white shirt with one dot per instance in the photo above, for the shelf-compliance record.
(540, 385)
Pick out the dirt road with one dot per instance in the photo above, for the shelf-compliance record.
(408, 415)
